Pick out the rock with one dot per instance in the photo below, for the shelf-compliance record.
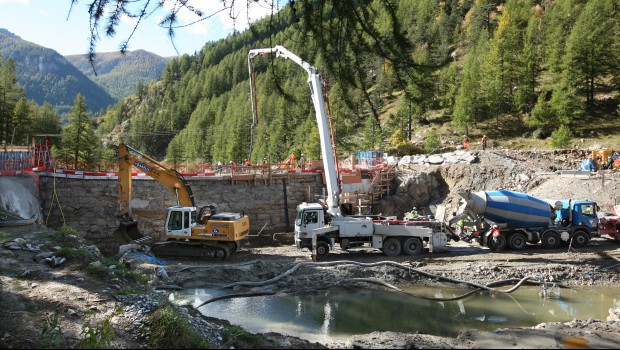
(40, 257)
(55, 261)
(13, 246)
(94, 250)
(72, 241)
(435, 159)
(20, 241)
(405, 160)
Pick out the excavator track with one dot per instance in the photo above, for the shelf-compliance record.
(188, 250)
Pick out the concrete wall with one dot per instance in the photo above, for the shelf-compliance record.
(90, 205)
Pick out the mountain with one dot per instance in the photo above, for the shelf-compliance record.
(119, 73)
(47, 76)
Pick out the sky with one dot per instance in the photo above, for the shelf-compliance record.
(48, 23)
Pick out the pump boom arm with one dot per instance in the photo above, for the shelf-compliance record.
(316, 92)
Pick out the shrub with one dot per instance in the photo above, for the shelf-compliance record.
(432, 143)
(562, 137)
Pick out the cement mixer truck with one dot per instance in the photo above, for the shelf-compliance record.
(518, 219)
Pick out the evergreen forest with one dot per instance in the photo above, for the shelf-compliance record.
(542, 68)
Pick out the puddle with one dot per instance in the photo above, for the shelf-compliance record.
(337, 314)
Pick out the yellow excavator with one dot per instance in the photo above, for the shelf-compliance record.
(189, 232)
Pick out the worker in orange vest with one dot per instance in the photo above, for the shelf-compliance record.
(484, 142)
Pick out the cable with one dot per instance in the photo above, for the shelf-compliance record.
(54, 194)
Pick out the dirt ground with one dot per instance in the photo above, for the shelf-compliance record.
(33, 292)
(39, 291)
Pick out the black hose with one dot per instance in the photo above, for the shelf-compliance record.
(236, 295)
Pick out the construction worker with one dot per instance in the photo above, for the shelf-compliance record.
(465, 142)
(484, 142)
(495, 233)
(302, 162)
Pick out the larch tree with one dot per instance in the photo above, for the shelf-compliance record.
(79, 144)
(22, 123)
(590, 51)
(10, 94)
(467, 104)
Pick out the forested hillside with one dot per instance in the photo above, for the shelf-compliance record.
(537, 68)
(118, 73)
(47, 77)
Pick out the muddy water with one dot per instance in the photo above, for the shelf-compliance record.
(336, 314)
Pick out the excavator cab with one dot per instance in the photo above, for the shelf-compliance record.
(180, 220)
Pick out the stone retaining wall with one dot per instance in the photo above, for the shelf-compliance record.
(91, 205)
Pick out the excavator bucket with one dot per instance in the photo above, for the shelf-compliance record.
(129, 228)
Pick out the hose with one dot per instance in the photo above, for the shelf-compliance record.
(391, 263)
(477, 287)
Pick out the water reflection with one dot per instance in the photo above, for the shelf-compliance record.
(337, 314)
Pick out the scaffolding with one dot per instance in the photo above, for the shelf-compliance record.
(360, 200)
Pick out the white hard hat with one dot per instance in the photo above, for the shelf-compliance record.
(494, 226)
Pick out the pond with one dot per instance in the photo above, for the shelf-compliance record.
(337, 314)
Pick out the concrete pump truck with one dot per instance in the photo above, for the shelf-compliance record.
(320, 226)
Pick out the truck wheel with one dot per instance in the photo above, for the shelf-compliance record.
(391, 247)
(551, 240)
(517, 241)
(413, 246)
(580, 239)
(499, 245)
(322, 250)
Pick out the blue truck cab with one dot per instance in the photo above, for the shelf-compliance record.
(580, 219)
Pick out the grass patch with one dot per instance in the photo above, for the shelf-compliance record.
(171, 329)
(51, 335)
(235, 333)
(68, 230)
(96, 336)
(76, 253)
(121, 271)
